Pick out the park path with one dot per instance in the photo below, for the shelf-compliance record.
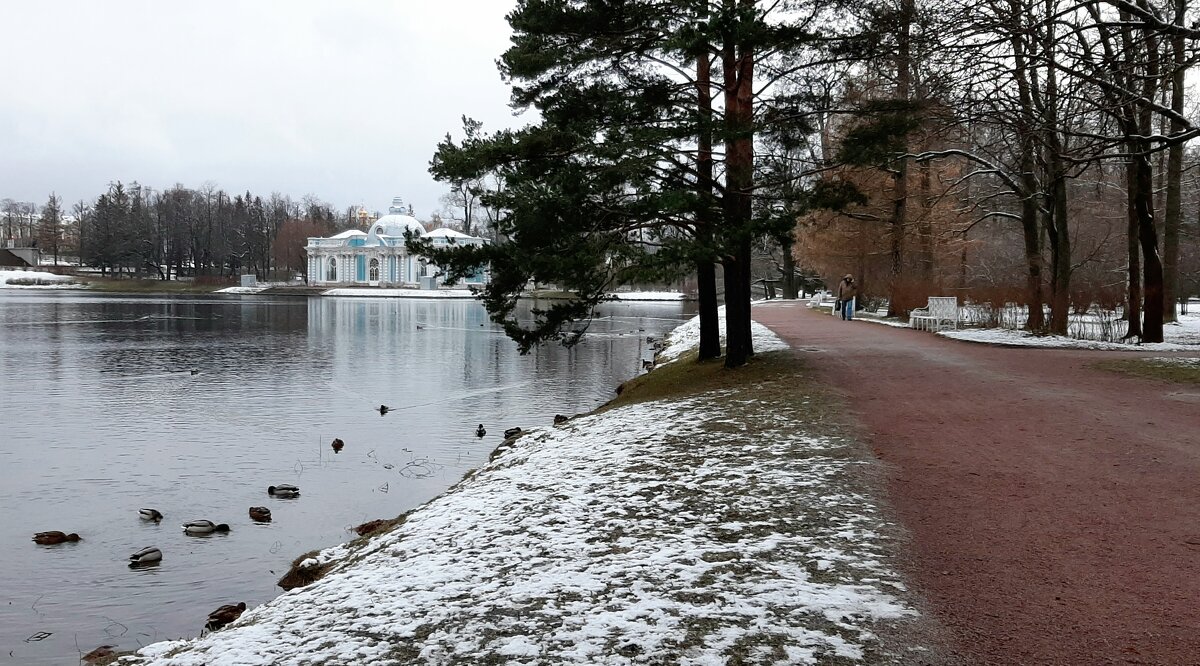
(1054, 509)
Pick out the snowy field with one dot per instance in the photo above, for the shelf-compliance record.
(654, 533)
(37, 280)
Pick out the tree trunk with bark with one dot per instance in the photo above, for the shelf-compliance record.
(738, 67)
(706, 270)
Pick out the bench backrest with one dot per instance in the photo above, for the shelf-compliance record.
(943, 307)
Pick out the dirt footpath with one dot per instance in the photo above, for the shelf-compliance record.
(1054, 508)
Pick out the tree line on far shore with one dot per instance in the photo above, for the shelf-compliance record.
(204, 232)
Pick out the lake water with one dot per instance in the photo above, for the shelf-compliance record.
(101, 414)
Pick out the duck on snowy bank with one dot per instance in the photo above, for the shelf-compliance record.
(224, 615)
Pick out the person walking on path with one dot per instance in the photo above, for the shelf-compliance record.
(1052, 505)
(847, 290)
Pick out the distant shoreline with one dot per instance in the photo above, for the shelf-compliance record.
(152, 287)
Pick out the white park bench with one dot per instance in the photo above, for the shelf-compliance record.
(941, 310)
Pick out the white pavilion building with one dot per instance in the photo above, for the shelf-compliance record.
(378, 257)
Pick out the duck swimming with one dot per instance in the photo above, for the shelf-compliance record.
(260, 513)
(150, 514)
(480, 432)
(383, 409)
(224, 615)
(54, 537)
(338, 444)
(204, 527)
(284, 490)
(145, 556)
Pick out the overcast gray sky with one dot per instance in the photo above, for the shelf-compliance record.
(344, 99)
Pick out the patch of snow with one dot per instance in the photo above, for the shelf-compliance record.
(1004, 336)
(10, 278)
(1182, 335)
(399, 292)
(648, 296)
(687, 336)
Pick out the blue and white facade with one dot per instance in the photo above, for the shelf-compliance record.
(378, 257)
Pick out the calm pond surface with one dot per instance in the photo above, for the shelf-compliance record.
(101, 414)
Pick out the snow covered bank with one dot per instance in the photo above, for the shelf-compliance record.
(706, 530)
(37, 280)
(648, 296)
(687, 337)
(399, 293)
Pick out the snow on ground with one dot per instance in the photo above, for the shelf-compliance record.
(244, 290)
(648, 296)
(687, 337)
(1178, 337)
(656, 532)
(37, 280)
(1183, 335)
(399, 293)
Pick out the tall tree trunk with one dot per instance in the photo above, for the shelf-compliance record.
(1133, 302)
(1173, 215)
(1152, 269)
(706, 270)
(903, 66)
(1060, 252)
(925, 224)
(1058, 229)
(738, 66)
(1035, 299)
(790, 287)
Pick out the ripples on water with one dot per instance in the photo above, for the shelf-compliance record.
(101, 414)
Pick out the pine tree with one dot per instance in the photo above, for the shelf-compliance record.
(49, 229)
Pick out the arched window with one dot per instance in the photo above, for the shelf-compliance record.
(331, 274)
(373, 271)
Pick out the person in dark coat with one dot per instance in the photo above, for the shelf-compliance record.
(847, 290)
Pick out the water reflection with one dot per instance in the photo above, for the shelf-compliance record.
(101, 415)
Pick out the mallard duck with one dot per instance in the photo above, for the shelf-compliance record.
(338, 444)
(195, 371)
(101, 653)
(224, 615)
(55, 537)
(204, 527)
(150, 514)
(480, 432)
(145, 556)
(512, 432)
(260, 513)
(383, 409)
(283, 490)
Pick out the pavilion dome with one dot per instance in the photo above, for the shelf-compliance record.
(396, 225)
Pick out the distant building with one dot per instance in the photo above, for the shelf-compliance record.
(378, 257)
(20, 255)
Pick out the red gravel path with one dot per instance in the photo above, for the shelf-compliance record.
(1054, 508)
